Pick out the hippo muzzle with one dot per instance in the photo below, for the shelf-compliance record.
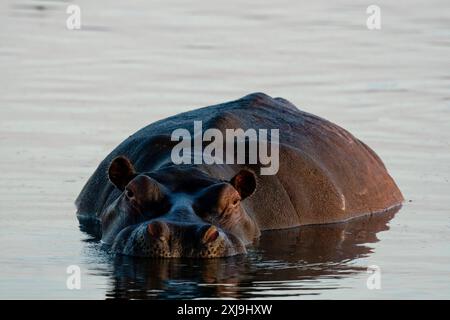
(163, 239)
(177, 212)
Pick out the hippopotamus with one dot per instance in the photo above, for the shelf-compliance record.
(146, 205)
(325, 251)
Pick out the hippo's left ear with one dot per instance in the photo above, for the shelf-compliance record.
(244, 182)
(121, 171)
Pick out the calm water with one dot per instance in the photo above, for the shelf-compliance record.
(68, 97)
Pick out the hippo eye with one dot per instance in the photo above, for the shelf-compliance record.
(235, 202)
(129, 194)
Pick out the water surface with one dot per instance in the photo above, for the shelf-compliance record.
(69, 97)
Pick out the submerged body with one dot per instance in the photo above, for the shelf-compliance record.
(148, 206)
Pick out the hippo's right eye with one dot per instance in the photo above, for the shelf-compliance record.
(129, 194)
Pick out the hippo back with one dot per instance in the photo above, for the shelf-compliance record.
(325, 174)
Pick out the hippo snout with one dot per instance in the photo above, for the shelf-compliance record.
(164, 239)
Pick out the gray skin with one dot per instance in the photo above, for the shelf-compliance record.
(147, 206)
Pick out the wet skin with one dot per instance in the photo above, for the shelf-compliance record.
(147, 206)
(177, 212)
(279, 260)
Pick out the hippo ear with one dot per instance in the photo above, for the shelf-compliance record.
(244, 182)
(120, 172)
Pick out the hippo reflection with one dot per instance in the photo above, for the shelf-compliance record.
(282, 260)
(147, 206)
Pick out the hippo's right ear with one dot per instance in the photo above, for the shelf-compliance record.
(120, 172)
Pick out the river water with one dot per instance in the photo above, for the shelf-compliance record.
(68, 97)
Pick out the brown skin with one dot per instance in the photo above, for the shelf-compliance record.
(152, 218)
(147, 206)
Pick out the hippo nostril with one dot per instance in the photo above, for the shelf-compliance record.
(158, 230)
(210, 235)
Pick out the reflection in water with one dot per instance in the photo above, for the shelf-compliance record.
(285, 262)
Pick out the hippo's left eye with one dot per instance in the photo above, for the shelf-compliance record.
(235, 202)
(129, 194)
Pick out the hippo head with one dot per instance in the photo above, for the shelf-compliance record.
(177, 211)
